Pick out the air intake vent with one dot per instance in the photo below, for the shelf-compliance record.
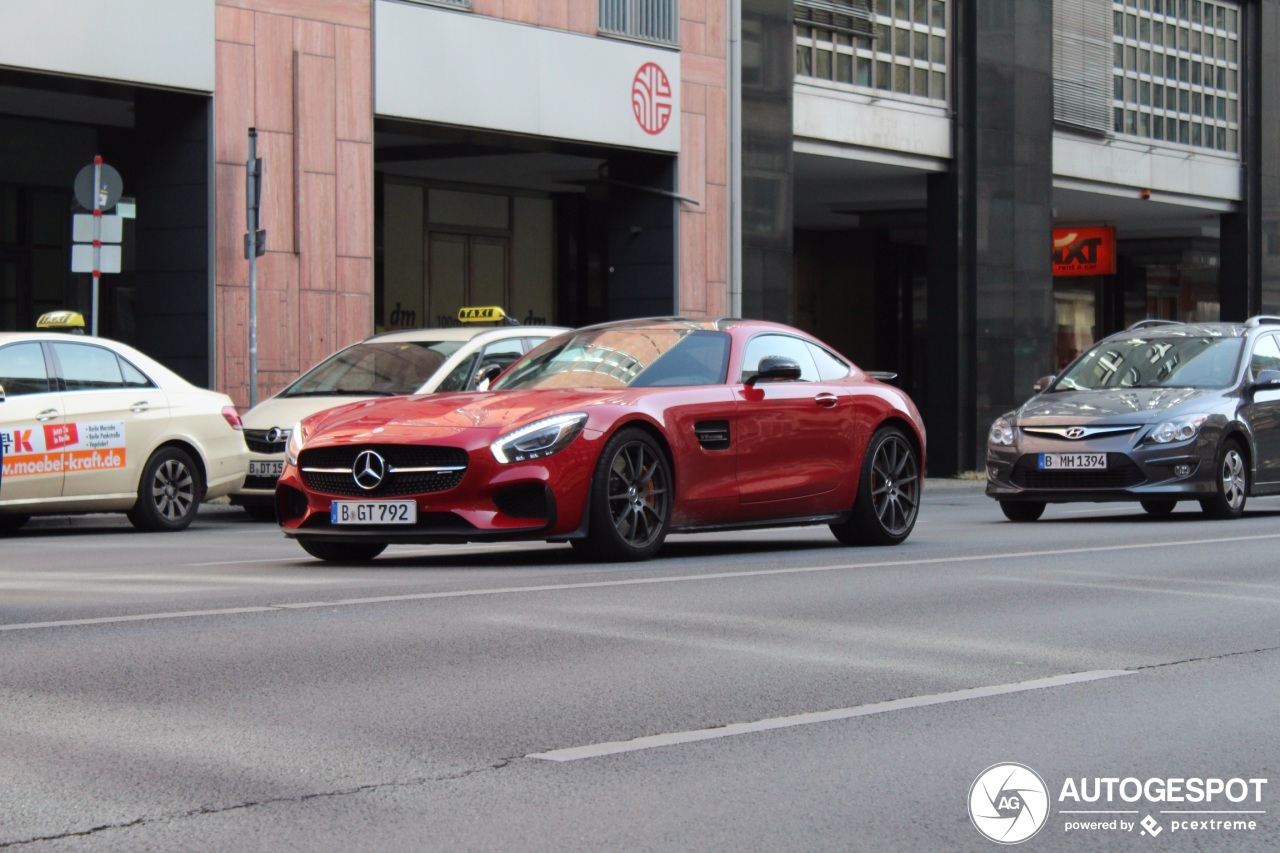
(712, 435)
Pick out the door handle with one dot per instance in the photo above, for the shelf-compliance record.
(47, 415)
(140, 406)
(826, 400)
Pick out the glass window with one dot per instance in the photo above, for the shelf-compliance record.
(830, 366)
(22, 370)
(86, 367)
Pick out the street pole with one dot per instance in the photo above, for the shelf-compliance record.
(98, 201)
(253, 190)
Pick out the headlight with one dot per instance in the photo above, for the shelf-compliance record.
(539, 439)
(1178, 429)
(1001, 433)
(294, 447)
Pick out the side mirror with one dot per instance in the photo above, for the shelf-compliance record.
(776, 368)
(485, 375)
(1, 393)
(1042, 383)
(1267, 379)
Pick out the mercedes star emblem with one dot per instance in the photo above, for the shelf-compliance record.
(368, 470)
(275, 434)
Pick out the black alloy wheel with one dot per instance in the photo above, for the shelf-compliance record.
(888, 501)
(342, 552)
(1022, 510)
(630, 504)
(169, 492)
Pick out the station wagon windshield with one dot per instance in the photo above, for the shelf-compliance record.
(1163, 362)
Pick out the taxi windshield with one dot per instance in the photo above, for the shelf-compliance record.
(1164, 362)
(374, 369)
(666, 356)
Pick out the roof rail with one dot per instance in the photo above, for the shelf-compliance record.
(1262, 319)
(1152, 321)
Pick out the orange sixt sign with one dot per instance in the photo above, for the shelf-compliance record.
(1084, 251)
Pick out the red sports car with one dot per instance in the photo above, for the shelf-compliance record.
(610, 437)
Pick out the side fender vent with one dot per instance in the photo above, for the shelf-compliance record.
(712, 435)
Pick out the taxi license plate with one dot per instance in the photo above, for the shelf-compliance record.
(373, 512)
(269, 468)
(1072, 461)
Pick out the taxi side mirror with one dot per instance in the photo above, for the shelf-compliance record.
(485, 375)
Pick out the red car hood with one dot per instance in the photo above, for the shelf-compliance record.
(435, 416)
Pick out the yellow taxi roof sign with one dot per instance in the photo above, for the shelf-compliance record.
(61, 320)
(487, 314)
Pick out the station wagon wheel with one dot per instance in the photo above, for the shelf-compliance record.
(630, 504)
(1231, 480)
(888, 500)
(1159, 508)
(342, 552)
(169, 492)
(1022, 510)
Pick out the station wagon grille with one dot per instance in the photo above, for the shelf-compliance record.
(1121, 473)
(411, 469)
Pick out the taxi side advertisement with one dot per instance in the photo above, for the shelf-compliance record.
(30, 449)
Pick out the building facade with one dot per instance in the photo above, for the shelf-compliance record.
(966, 192)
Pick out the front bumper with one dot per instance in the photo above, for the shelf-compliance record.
(1135, 471)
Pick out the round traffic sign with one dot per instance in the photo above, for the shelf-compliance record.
(105, 195)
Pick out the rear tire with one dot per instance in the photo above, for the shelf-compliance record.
(1022, 510)
(169, 492)
(888, 500)
(11, 523)
(342, 552)
(1231, 478)
(1159, 509)
(630, 502)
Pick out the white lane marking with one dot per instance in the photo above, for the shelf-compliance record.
(577, 753)
(510, 590)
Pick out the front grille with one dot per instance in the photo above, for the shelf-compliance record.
(1121, 473)
(397, 482)
(257, 441)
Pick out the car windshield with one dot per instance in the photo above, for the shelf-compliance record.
(1156, 362)
(374, 369)
(664, 356)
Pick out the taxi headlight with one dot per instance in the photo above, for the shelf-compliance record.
(1001, 433)
(539, 439)
(294, 447)
(1178, 429)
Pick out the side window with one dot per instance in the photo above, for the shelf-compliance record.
(503, 353)
(459, 377)
(88, 368)
(133, 377)
(1266, 355)
(830, 366)
(22, 370)
(786, 346)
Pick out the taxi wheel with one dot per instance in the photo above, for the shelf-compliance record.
(169, 492)
(888, 500)
(1232, 483)
(342, 552)
(10, 523)
(630, 504)
(261, 512)
(1022, 510)
(1159, 508)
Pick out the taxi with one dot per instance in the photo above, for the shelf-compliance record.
(89, 424)
(390, 364)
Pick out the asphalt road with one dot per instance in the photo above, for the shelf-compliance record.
(219, 690)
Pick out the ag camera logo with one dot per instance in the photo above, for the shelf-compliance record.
(1008, 803)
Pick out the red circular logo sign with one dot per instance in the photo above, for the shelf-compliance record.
(651, 98)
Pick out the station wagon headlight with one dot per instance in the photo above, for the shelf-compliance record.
(1001, 433)
(1178, 429)
(539, 439)
(294, 447)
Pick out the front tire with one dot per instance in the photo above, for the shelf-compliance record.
(888, 501)
(1159, 509)
(11, 523)
(1231, 478)
(169, 492)
(342, 552)
(630, 503)
(1022, 510)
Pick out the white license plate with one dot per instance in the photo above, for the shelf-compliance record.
(373, 512)
(270, 468)
(1072, 461)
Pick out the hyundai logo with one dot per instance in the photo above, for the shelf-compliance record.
(368, 470)
(1076, 432)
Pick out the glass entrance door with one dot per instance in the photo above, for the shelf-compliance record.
(465, 269)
